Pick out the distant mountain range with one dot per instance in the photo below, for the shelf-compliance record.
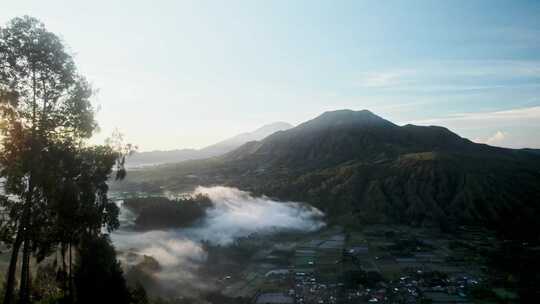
(358, 168)
(142, 159)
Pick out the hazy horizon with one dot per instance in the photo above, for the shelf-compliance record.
(188, 74)
(301, 151)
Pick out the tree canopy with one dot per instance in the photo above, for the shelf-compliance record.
(55, 183)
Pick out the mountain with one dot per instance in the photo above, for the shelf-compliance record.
(358, 167)
(232, 143)
(141, 159)
(173, 156)
(345, 135)
(535, 151)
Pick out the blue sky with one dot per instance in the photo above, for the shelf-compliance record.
(174, 74)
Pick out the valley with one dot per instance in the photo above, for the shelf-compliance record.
(269, 152)
(357, 165)
(411, 215)
(333, 264)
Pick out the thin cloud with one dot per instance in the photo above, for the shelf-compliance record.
(487, 127)
(384, 79)
(517, 115)
(497, 138)
(455, 75)
(235, 214)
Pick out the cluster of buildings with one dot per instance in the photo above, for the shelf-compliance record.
(374, 268)
(415, 289)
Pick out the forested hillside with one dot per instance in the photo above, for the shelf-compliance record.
(358, 165)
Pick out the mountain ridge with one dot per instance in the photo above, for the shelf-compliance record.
(358, 166)
(158, 157)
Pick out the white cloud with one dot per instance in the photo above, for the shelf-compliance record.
(455, 75)
(494, 127)
(497, 138)
(238, 214)
(235, 214)
(530, 114)
(384, 79)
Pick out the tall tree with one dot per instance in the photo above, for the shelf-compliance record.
(98, 275)
(50, 174)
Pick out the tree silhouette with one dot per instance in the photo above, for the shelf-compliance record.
(55, 184)
(98, 275)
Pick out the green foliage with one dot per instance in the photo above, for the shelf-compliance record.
(138, 295)
(160, 212)
(98, 276)
(45, 104)
(362, 167)
(45, 286)
(55, 183)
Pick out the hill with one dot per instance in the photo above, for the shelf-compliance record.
(142, 159)
(232, 143)
(162, 213)
(359, 167)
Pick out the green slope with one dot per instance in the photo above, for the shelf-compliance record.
(357, 164)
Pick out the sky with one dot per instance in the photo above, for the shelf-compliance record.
(186, 74)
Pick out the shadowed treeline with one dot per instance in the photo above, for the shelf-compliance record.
(56, 209)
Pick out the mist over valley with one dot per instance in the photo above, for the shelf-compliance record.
(269, 152)
(180, 255)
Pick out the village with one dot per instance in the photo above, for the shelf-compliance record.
(379, 264)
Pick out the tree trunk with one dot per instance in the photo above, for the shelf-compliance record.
(24, 290)
(10, 281)
(63, 253)
(26, 220)
(63, 250)
(70, 283)
(24, 295)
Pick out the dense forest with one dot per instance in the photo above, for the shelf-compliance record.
(360, 168)
(161, 212)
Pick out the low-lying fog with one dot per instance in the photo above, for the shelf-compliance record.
(181, 253)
